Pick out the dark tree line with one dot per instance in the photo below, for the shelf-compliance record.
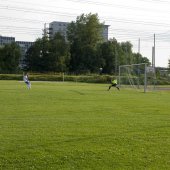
(49, 55)
(83, 51)
(10, 55)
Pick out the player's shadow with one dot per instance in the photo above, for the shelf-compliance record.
(78, 92)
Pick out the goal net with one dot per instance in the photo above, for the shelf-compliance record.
(137, 76)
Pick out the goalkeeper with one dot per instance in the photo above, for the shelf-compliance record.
(113, 84)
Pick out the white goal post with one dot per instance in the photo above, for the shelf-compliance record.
(137, 76)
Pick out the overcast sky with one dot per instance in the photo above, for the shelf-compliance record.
(128, 20)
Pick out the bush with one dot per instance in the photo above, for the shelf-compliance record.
(59, 77)
(93, 78)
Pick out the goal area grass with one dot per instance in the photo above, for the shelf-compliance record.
(73, 126)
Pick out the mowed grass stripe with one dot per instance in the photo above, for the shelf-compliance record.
(82, 126)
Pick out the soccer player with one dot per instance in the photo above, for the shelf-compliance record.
(27, 82)
(113, 84)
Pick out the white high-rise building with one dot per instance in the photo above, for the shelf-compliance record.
(61, 27)
(24, 45)
(106, 32)
(6, 40)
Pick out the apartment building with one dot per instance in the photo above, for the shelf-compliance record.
(6, 40)
(61, 27)
(24, 45)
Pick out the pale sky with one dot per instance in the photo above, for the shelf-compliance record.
(128, 20)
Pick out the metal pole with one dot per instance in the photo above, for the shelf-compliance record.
(145, 80)
(63, 77)
(154, 61)
(115, 61)
(119, 76)
(154, 52)
(153, 57)
(139, 46)
(127, 56)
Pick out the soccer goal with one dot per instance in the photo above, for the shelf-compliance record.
(137, 76)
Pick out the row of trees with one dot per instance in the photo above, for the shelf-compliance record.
(83, 51)
(49, 55)
(10, 56)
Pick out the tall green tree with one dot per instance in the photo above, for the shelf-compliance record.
(49, 55)
(59, 54)
(126, 53)
(84, 36)
(114, 54)
(108, 54)
(37, 55)
(10, 56)
(86, 51)
(138, 58)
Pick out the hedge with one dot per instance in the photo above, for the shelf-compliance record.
(74, 78)
(59, 77)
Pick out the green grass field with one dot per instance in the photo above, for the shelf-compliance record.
(78, 126)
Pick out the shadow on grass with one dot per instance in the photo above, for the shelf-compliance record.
(77, 92)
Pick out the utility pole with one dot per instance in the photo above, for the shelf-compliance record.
(139, 46)
(115, 61)
(153, 54)
(154, 51)
(153, 61)
(45, 32)
(126, 55)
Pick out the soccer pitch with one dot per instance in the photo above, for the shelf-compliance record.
(79, 126)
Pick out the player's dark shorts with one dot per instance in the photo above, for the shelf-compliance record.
(27, 82)
(114, 85)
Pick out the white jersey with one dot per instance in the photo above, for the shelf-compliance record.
(25, 78)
